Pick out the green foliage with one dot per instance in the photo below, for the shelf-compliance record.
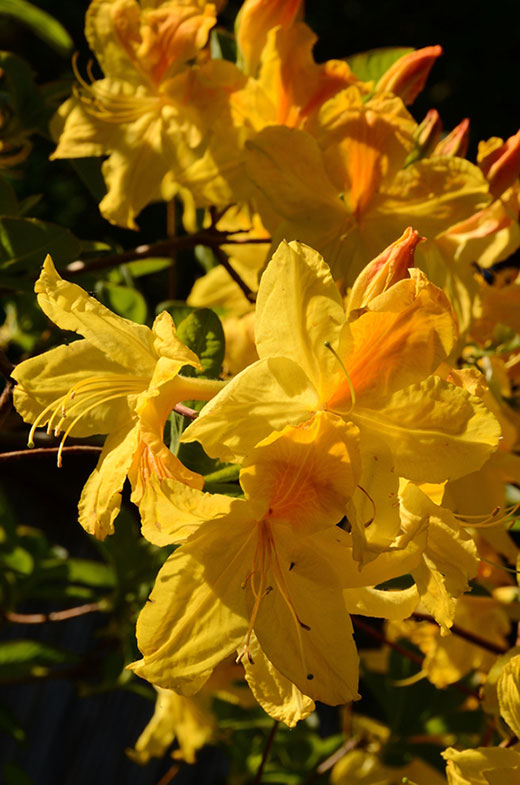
(40, 22)
(370, 66)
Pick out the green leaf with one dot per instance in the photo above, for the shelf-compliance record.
(202, 332)
(25, 242)
(14, 775)
(23, 108)
(222, 45)
(89, 172)
(90, 573)
(125, 301)
(9, 723)
(8, 200)
(23, 658)
(371, 65)
(41, 23)
(177, 309)
(147, 266)
(18, 560)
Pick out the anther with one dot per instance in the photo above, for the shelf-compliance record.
(310, 676)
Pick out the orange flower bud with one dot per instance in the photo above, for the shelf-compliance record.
(456, 142)
(407, 76)
(255, 19)
(500, 162)
(385, 270)
(425, 136)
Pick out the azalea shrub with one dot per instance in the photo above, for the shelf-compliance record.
(294, 381)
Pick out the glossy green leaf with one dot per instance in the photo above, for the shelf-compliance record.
(41, 23)
(22, 658)
(126, 302)
(25, 242)
(8, 200)
(370, 66)
(202, 332)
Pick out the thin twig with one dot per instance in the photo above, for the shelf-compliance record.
(191, 414)
(42, 618)
(170, 774)
(39, 452)
(494, 648)
(210, 238)
(223, 259)
(330, 762)
(379, 636)
(6, 366)
(267, 750)
(6, 401)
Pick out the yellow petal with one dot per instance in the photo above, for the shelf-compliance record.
(435, 430)
(470, 767)
(48, 378)
(509, 694)
(71, 308)
(166, 343)
(304, 474)
(196, 614)
(279, 697)
(297, 286)
(307, 655)
(101, 497)
(395, 605)
(189, 720)
(171, 511)
(266, 396)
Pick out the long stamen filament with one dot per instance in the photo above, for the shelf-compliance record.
(489, 520)
(82, 414)
(328, 345)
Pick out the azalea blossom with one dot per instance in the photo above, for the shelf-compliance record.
(375, 368)
(122, 380)
(272, 570)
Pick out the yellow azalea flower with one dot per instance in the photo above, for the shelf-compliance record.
(359, 767)
(449, 658)
(152, 113)
(189, 720)
(492, 765)
(122, 380)
(407, 76)
(449, 558)
(380, 377)
(263, 572)
(340, 185)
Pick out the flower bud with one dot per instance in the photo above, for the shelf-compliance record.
(425, 136)
(385, 270)
(456, 142)
(407, 76)
(500, 162)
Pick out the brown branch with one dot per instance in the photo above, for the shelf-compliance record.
(330, 762)
(6, 401)
(42, 618)
(6, 366)
(170, 774)
(476, 640)
(210, 238)
(265, 755)
(223, 259)
(39, 452)
(379, 636)
(191, 414)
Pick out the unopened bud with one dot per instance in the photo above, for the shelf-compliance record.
(407, 76)
(385, 270)
(255, 19)
(425, 136)
(456, 142)
(500, 162)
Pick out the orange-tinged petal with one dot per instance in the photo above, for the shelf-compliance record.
(306, 473)
(254, 21)
(384, 351)
(500, 162)
(456, 142)
(407, 76)
(384, 271)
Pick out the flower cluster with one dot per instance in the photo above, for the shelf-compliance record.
(370, 400)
